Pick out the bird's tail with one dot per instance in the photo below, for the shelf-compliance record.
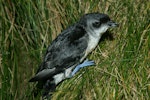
(37, 90)
(48, 89)
(44, 88)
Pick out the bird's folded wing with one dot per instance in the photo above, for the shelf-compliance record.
(42, 75)
(65, 51)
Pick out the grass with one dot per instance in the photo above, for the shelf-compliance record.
(122, 70)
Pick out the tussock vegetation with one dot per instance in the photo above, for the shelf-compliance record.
(122, 70)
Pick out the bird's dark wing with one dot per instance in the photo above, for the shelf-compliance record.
(65, 51)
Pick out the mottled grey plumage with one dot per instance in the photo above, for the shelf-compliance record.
(70, 49)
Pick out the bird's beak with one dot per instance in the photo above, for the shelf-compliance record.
(112, 24)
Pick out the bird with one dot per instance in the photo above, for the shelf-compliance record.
(68, 52)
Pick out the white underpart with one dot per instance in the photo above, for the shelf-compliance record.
(94, 37)
(58, 78)
(68, 72)
(61, 76)
(99, 32)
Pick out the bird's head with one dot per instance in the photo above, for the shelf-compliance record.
(97, 23)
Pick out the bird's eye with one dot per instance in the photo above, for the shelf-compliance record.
(97, 24)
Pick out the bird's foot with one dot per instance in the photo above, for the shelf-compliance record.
(84, 64)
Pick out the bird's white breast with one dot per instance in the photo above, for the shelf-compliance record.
(92, 43)
(94, 37)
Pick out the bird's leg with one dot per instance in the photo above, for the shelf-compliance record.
(84, 64)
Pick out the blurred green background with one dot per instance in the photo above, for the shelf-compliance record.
(122, 70)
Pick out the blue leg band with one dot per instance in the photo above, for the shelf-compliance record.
(84, 64)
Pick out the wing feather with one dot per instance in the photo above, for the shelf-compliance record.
(65, 51)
